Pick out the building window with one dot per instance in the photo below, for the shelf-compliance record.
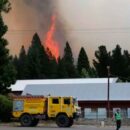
(102, 113)
(94, 110)
(95, 113)
(124, 112)
(90, 113)
(128, 111)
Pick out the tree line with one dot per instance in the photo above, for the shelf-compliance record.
(39, 63)
(117, 60)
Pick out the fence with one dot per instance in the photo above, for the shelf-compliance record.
(96, 118)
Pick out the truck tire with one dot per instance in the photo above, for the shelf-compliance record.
(62, 120)
(26, 120)
(70, 122)
(35, 122)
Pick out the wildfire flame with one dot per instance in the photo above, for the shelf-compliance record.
(50, 42)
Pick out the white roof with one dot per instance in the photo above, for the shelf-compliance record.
(89, 92)
(21, 84)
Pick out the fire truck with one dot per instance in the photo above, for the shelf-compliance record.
(30, 109)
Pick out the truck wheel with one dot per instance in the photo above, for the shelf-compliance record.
(26, 120)
(70, 122)
(35, 122)
(62, 120)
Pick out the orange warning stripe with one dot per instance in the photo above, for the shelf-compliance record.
(29, 97)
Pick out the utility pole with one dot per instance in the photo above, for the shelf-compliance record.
(108, 92)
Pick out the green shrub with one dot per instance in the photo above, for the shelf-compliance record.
(5, 108)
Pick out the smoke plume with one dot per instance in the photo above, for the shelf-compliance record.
(45, 9)
(30, 16)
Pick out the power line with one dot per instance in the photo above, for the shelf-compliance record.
(89, 30)
(122, 28)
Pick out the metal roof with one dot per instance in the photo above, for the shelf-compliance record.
(89, 92)
(21, 84)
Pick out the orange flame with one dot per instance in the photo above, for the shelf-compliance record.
(50, 42)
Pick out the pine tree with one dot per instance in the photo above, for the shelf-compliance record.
(34, 66)
(92, 72)
(83, 62)
(7, 71)
(69, 62)
(5, 6)
(53, 69)
(84, 73)
(126, 56)
(53, 65)
(118, 62)
(15, 63)
(38, 62)
(103, 60)
(22, 65)
(61, 71)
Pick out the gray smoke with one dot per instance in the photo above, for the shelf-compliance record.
(45, 9)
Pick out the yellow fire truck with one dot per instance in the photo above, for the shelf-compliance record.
(30, 109)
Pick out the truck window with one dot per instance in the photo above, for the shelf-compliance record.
(66, 101)
(55, 101)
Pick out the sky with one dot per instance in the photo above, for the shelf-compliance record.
(84, 23)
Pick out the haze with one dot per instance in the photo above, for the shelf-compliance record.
(87, 23)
